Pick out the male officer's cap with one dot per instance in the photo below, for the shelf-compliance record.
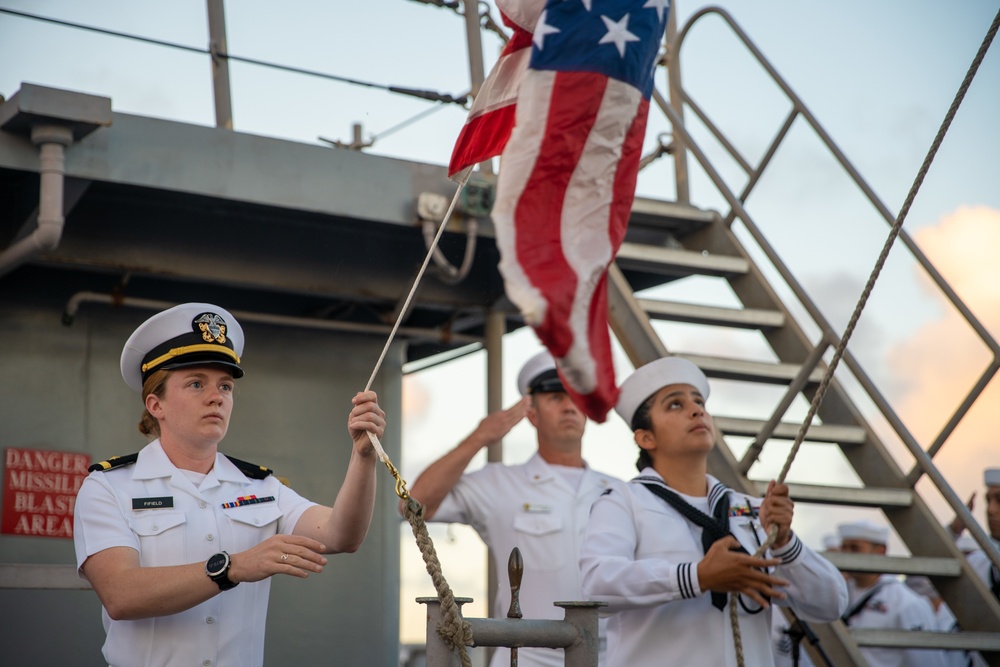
(865, 530)
(539, 375)
(650, 378)
(191, 334)
(992, 476)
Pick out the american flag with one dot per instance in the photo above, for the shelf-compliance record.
(568, 174)
(491, 118)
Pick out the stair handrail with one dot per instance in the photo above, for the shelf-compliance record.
(923, 458)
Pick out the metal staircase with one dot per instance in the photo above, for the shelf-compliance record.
(672, 242)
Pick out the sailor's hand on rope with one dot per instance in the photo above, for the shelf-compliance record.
(366, 417)
(724, 569)
(366, 425)
(777, 510)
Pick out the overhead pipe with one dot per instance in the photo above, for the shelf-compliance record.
(440, 335)
(52, 141)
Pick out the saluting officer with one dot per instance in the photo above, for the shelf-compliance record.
(540, 506)
(666, 552)
(180, 541)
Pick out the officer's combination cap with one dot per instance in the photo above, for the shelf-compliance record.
(650, 378)
(539, 375)
(191, 334)
(992, 476)
(866, 530)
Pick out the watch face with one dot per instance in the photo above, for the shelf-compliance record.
(217, 563)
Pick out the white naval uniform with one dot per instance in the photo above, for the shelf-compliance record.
(982, 565)
(895, 606)
(224, 631)
(945, 621)
(783, 642)
(531, 507)
(640, 555)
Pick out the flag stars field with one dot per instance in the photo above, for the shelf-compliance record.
(617, 34)
(661, 7)
(542, 29)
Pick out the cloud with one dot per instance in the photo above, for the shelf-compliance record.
(940, 364)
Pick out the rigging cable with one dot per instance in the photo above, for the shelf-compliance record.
(411, 92)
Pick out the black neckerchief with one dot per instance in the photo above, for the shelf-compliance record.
(713, 528)
(856, 608)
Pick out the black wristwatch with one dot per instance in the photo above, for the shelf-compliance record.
(217, 569)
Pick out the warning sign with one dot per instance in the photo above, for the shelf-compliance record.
(39, 491)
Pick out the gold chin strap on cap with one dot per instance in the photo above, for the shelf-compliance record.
(189, 349)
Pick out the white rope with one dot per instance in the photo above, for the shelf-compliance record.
(406, 304)
(455, 632)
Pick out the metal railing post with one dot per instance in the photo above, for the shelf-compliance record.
(220, 64)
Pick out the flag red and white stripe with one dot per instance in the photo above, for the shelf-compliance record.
(491, 117)
(564, 196)
(569, 168)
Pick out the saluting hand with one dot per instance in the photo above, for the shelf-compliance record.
(777, 509)
(957, 525)
(725, 569)
(365, 416)
(496, 425)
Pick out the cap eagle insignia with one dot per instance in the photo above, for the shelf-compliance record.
(212, 327)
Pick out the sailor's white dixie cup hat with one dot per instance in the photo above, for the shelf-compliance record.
(650, 378)
(191, 334)
(539, 375)
(866, 530)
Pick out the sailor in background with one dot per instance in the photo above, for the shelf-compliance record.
(540, 506)
(978, 559)
(945, 621)
(666, 552)
(180, 541)
(884, 602)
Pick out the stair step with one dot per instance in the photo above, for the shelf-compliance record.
(926, 565)
(840, 495)
(841, 434)
(959, 641)
(678, 262)
(750, 371)
(671, 216)
(739, 318)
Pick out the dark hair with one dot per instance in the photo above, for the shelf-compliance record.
(641, 420)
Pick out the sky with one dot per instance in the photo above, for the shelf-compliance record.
(878, 77)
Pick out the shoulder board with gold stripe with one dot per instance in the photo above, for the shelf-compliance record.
(251, 470)
(114, 462)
